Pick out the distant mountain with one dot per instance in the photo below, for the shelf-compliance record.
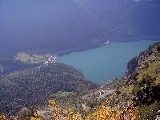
(62, 26)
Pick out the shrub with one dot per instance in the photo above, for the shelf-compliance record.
(135, 89)
(146, 80)
(158, 48)
(148, 112)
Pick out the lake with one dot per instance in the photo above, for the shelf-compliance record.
(106, 62)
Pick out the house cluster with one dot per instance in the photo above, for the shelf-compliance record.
(50, 59)
(1, 68)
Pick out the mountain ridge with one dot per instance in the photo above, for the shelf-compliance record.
(77, 24)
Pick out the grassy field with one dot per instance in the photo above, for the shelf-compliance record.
(28, 58)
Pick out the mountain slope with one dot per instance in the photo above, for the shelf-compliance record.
(146, 63)
(142, 84)
(33, 86)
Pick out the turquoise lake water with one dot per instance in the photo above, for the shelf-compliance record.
(106, 62)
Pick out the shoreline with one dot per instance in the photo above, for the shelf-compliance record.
(102, 71)
(88, 46)
(91, 46)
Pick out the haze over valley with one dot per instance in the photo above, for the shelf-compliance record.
(62, 26)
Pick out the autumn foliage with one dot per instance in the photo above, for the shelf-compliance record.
(103, 112)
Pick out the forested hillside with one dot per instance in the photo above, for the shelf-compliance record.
(8, 65)
(33, 86)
